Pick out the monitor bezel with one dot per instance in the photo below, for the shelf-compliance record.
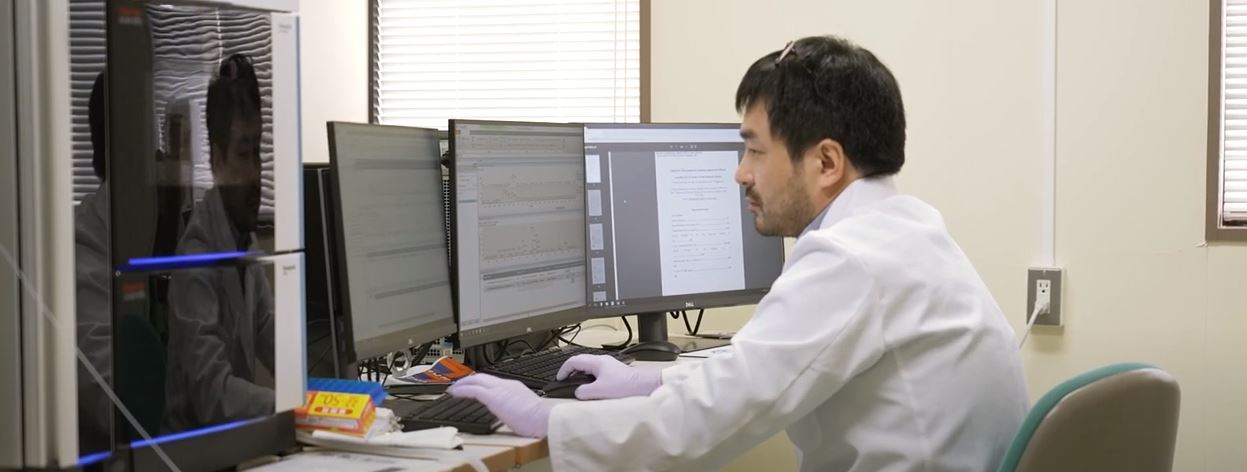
(667, 303)
(397, 340)
(507, 329)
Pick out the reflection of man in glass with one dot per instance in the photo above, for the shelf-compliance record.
(222, 321)
(94, 289)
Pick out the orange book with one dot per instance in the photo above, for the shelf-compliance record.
(443, 372)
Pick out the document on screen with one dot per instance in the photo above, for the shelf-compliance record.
(699, 222)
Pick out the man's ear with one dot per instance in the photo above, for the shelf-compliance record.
(830, 162)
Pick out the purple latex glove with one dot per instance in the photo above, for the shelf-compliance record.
(614, 379)
(512, 402)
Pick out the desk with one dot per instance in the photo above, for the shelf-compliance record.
(498, 452)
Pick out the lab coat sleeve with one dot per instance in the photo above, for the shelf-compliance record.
(93, 291)
(678, 372)
(215, 394)
(265, 341)
(816, 330)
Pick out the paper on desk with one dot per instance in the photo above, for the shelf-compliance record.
(445, 437)
(334, 461)
(451, 458)
(384, 423)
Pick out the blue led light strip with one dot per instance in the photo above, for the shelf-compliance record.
(187, 434)
(186, 260)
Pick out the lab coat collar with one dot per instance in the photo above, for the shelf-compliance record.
(859, 193)
(227, 238)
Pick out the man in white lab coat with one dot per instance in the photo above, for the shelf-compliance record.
(878, 347)
(221, 330)
(93, 289)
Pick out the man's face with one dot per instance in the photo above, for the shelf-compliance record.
(776, 190)
(236, 170)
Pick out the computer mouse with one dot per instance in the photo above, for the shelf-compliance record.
(566, 388)
(660, 351)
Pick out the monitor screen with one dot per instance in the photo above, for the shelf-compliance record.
(518, 206)
(392, 245)
(667, 224)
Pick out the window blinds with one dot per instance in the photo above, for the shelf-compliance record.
(86, 60)
(539, 60)
(1234, 121)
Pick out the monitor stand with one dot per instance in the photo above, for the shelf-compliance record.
(652, 327)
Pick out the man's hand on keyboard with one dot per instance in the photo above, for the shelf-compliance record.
(614, 378)
(509, 400)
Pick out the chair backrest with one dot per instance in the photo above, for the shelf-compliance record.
(1119, 417)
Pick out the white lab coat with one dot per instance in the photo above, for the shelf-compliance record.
(220, 330)
(878, 348)
(93, 286)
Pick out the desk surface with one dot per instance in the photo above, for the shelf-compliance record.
(497, 452)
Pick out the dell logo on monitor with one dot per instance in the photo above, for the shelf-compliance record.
(689, 305)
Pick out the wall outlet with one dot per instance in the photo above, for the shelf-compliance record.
(1044, 283)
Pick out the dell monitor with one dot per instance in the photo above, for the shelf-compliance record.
(391, 246)
(519, 232)
(667, 225)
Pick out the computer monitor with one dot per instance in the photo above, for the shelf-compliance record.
(519, 232)
(330, 349)
(668, 227)
(393, 266)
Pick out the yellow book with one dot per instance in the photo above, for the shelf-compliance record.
(349, 413)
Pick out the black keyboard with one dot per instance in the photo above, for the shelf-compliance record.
(466, 414)
(537, 369)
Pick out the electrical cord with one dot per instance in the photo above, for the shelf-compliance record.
(405, 396)
(418, 354)
(374, 370)
(502, 351)
(616, 347)
(692, 330)
(525, 343)
(1040, 308)
(557, 335)
(572, 341)
(576, 333)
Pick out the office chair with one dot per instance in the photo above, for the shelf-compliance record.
(1118, 417)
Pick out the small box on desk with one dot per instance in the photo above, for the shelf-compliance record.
(348, 413)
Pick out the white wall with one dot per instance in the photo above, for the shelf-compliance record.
(333, 69)
(1132, 127)
(1132, 84)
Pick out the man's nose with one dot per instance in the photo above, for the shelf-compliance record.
(743, 176)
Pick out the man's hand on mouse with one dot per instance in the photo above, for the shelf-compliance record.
(614, 378)
(513, 403)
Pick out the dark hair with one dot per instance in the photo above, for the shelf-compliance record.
(235, 92)
(829, 88)
(97, 112)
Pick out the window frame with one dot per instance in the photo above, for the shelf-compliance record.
(644, 31)
(1215, 229)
